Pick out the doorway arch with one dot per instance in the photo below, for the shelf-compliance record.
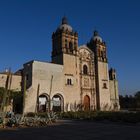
(86, 103)
(58, 103)
(43, 100)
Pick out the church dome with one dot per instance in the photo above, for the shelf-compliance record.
(96, 37)
(65, 26)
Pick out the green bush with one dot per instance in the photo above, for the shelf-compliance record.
(130, 117)
(30, 114)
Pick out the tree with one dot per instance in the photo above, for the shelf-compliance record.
(129, 101)
(16, 96)
(137, 98)
(2, 90)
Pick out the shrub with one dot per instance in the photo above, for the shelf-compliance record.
(30, 114)
(130, 117)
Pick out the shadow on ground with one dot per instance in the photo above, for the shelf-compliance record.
(75, 130)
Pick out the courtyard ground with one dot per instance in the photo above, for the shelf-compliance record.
(75, 130)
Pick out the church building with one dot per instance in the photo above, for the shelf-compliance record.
(77, 78)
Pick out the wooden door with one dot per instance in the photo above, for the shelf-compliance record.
(86, 103)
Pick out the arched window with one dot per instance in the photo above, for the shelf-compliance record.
(66, 43)
(85, 69)
(69, 82)
(105, 85)
(75, 45)
(71, 47)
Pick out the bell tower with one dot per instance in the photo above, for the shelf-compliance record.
(64, 41)
(98, 46)
(114, 93)
(65, 52)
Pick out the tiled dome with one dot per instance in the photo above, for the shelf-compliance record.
(96, 37)
(65, 26)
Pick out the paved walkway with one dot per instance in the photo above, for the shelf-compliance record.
(75, 130)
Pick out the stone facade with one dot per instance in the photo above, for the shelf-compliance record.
(12, 82)
(77, 78)
(15, 81)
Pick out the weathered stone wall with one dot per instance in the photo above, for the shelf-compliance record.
(104, 92)
(15, 83)
(41, 75)
(114, 95)
(71, 91)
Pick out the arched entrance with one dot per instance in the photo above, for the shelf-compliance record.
(86, 103)
(43, 103)
(58, 103)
